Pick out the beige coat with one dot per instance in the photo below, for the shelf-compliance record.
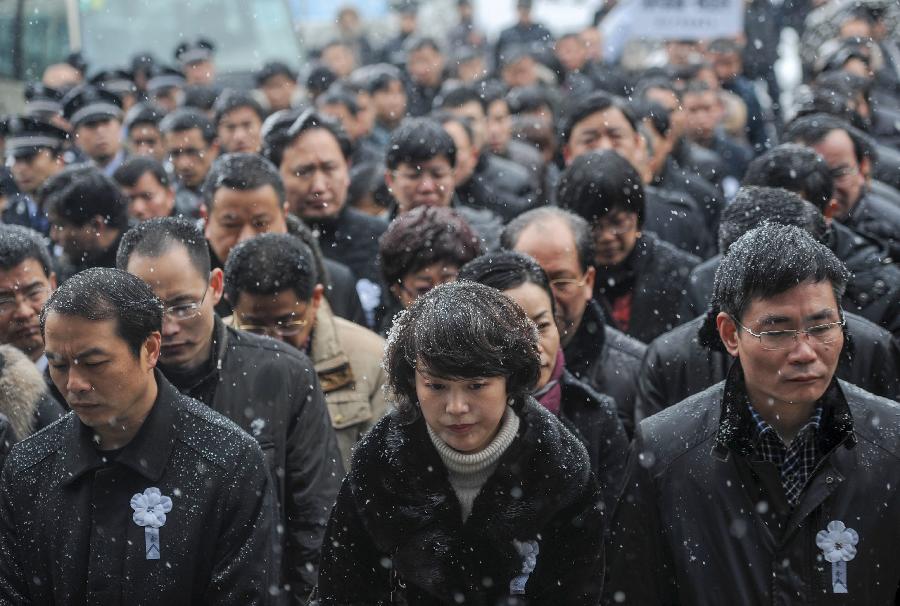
(347, 358)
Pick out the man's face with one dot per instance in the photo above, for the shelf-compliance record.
(726, 65)
(200, 72)
(849, 177)
(31, 170)
(77, 241)
(474, 111)
(499, 126)
(428, 184)
(520, 73)
(615, 236)
(593, 43)
(23, 291)
(390, 103)
(466, 154)
(187, 334)
(100, 140)
(315, 174)
(279, 91)
(148, 198)
(93, 368)
(342, 114)
(190, 156)
(146, 140)
(339, 59)
(607, 129)
(703, 112)
(670, 101)
(572, 53)
(238, 131)
(366, 114)
(800, 373)
(282, 316)
(425, 66)
(552, 244)
(239, 215)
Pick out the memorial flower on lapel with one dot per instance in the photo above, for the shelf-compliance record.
(150, 509)
(838, 545)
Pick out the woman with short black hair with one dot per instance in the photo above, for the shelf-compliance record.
(470, 491)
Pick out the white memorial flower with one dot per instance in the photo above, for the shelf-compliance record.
(838, 543)
(150, 508)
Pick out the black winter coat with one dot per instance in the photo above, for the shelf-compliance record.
(674, 178)
(873, 291)
(66, 530)
(661, 276)
(677, 366)
(607, 360)
(592, 417)
(675, 218)
(396, 534)
(702, 523)
(877, 217)
(351, 238)
(499, 185)
(272, 392)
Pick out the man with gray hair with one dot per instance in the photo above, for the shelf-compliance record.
(605, 358)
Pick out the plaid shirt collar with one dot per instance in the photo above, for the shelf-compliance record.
(795, 461)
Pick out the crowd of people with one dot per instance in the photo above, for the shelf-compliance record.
(383, 332)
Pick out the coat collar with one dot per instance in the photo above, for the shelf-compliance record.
(331, 363)
(147, 454)
(589, 339)
(737, 429)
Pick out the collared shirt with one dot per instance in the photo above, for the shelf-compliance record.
(795, 461)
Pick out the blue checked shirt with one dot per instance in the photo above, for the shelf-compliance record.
(796, 462)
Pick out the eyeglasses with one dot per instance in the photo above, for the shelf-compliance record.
(279, 329)
(773, 340)
(617, 225)
(567, 286)
(185, 311)
(35, 295)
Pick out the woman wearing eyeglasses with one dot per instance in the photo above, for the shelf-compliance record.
(591, 416)
(470, 491)
(421, 249)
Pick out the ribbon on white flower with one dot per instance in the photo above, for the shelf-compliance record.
(838, 545)
(150, 509)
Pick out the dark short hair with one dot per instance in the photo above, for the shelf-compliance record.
(135, 168)
(505, 270)
(155, 237)
(418, 140)
(18, 244)
(184, 119)
(143, 113)
(581, 231)
(101, 293)
(725, 46)
(241, 172)
(767, 261)
(231, 100)
(458, 96)
(338, 94)
(81, 192)
(461, 330)
(526, 99)
(586, 106)
(795, 168)
(381, 76)
(423, 236)
(598, 183)
(812, 130)
(445, 117)
(311, 119)
(274, 134)
(269, 264)
(419, 42)
(272, 69)
(753, 206)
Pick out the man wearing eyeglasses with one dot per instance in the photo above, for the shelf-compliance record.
(777, 485)
(269, 389)
(272, 285)
(605, 358)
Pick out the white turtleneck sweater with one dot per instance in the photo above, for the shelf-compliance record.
(469, 472)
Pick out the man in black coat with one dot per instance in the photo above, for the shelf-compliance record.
(780, 484)
(268, 388)
(600, 355)
(141, 495)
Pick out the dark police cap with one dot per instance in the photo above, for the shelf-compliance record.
(163, 78)
(86, 103)
(41, 100)
(25, 135)
(272, 69)
(195, 51)
(143, 113)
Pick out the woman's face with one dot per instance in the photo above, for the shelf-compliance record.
(464, 413)
(536, 303)
(614, 237)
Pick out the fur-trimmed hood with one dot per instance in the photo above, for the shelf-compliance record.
(542, 493)
(21, 390)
